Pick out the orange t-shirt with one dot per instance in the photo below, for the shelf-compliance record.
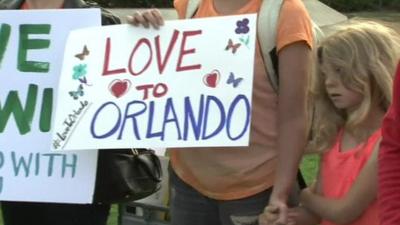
(228, 173)
(340, 169)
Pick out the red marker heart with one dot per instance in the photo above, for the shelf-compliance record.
(211, 79)
(119, 87)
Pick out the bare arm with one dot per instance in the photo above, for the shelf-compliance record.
(350, 207)
(294, 69)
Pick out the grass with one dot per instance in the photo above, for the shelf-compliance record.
(113, 218)
(309, 168)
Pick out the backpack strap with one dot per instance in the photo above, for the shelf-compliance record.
(267, 26)
(318, 34)
(191, 8)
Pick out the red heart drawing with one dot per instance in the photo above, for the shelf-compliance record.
(119, 87)
(211, 79)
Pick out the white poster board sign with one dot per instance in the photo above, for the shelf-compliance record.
(187, 84)
(31, 50)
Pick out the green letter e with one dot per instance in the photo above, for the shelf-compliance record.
(25, 44)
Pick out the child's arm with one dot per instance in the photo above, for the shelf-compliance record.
(302, 216)
(350, 207)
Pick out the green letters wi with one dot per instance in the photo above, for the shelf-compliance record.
(24, 115)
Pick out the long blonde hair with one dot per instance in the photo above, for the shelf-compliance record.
(367, 54)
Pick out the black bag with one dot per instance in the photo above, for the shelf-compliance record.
(126, 175)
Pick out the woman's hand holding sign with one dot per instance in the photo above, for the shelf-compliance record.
(146, 18)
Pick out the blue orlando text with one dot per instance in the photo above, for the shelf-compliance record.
(194, 122)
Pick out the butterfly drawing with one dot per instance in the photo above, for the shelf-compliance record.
(234, 81)
(78, 93)
(245, 41)
(232, 46)
(83, 80)
(85, 52)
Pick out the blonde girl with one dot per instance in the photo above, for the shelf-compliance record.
(352, 91)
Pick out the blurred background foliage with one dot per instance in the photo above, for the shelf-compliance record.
(363, 5)
(135, 3)
(340, 5)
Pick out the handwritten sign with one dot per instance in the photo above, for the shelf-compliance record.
(187, 84)
(31, 51)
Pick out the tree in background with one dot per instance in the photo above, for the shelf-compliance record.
(340, 5)
(135, 3)
(362, 5)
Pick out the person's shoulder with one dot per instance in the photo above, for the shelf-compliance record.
(294, 7)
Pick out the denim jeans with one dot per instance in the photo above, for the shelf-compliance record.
(189, 207)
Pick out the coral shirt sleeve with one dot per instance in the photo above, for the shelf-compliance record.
(389, 161)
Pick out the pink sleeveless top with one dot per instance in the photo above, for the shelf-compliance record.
(340, 170)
